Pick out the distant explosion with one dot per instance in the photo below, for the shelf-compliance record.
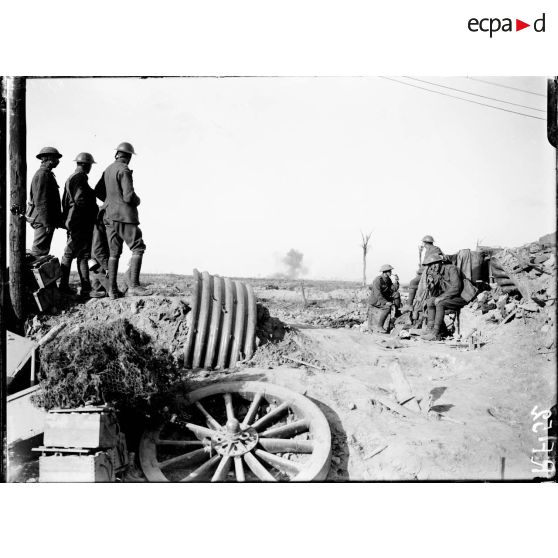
(292, 260)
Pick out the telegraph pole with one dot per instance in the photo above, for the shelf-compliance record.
(18, 195)
(552, 123)
(3, 282)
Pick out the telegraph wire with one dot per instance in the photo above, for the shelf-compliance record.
(474, 94)
(506, 86)
(462, 99)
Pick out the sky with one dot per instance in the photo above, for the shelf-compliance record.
(234, 172)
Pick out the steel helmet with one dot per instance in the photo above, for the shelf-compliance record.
(433, 259)
(85, 157)
(126, 147)
(48, 151)
(386, 267)
(428, 238)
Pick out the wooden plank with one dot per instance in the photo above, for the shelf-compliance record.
(394, 406)
(51, 334)
(402, 387)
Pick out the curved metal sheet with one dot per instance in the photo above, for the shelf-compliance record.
(190, 339)
(252, 313)
(203, 320)
(228, 324)
(239, 324)
(217, 312)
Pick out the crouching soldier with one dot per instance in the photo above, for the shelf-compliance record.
(116, 189)
(43, 210)
(381, 300)
(444, 288)
(428, 248)
(79, 209)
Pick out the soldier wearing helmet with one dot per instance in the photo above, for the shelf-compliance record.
(79, 212)
(426, 249)
(43, 211)
(444, 286)
(116, 189)
(381, 297)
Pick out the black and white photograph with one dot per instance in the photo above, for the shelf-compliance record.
(278, 279)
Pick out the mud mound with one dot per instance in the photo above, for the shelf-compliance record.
(113, 363)
(294, 349)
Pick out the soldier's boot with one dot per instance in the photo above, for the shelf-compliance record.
(64, 285)
(113, 291)
(432, 335)
(381, 320)
(83, 272)
(99, 285)
(430, 322)
(135, 288)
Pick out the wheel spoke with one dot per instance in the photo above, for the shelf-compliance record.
(229, 406)
(279, 445)
(201, 431)
(254, 406)
(239, 469)
(278, 462)
(210, 420)
(189, 458)
(222, 469)
(258, 469)
(286, 430)
(271, 416)
(202, 470)
(180, 443)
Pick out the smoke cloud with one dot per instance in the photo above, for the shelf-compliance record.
(292, 261)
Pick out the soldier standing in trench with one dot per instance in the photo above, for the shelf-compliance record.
(121, 220)
(79, 209)
(43, 211)
(430, 249)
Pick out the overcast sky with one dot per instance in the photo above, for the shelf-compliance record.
(234, 172)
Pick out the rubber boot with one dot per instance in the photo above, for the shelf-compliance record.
(113, 274)
(64, 286)
(135, 288)
(83, 272)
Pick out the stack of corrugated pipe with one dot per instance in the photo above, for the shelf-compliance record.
(223, 325)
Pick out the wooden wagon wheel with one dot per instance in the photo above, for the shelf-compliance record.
(243, 431)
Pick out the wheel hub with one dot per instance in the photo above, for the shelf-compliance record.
(234, 440)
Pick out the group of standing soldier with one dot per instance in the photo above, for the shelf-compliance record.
(95, 235)
(438, 283)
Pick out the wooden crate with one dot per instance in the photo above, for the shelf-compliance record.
(98, 467)
(87, 427)
(47, 297)
(46, 272)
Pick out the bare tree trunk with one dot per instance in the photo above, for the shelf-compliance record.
(364, 246)
(18, 194)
